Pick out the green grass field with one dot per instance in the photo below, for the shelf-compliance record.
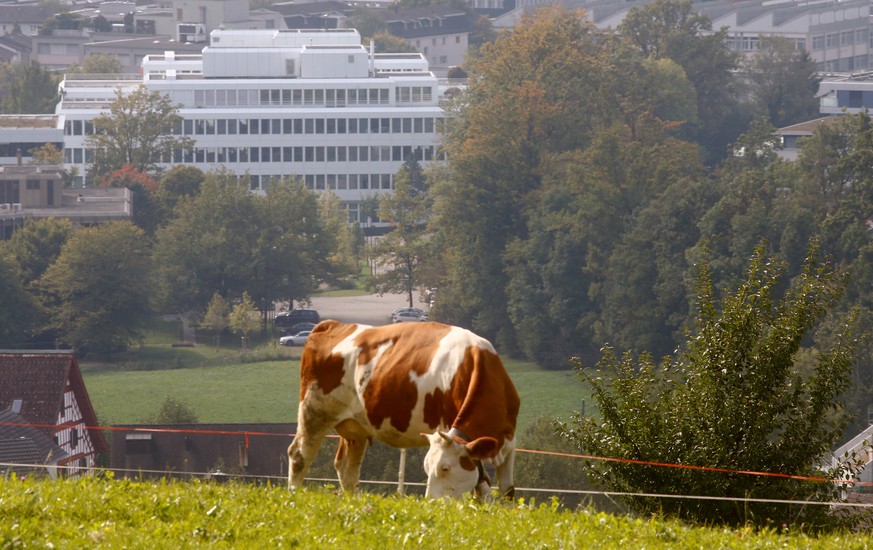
(221, 388)
(98, 513)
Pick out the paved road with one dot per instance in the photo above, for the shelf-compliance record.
(370, 309)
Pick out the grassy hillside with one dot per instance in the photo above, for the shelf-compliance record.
(94, 513)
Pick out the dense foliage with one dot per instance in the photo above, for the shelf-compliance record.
(732, 397)
(587, 167)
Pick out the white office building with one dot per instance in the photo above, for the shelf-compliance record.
(268, 104)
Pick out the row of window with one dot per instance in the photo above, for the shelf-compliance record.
(231, 155)
(844, 65)
(333, 182)
(837, 39)
(752, 43)
(287, 97)
(284, 126)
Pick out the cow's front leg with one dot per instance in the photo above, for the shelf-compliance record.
(349, 455)
(303, 449)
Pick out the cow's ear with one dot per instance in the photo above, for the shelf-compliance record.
(482, 448)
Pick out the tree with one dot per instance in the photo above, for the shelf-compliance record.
(295, 245)
(147, 213)
(512, 122)
(401, 251)
(783, 82)
(205, 248)
(101, 24)
(50, 154)
(30, 90)
(178, 182)
(37, 245)
(244, 318)
(97, 291)
(731, 398)
(386, 42)
(278, 246)
(100, 63)
(137, 130)
(216, 317)
(20, 312)
(673, 29)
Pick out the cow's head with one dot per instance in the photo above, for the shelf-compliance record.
(451, 464)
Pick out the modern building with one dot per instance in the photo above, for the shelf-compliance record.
(440, 32)
(268, 104)
(36, 191)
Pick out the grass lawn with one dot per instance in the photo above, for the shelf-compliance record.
(223, 389)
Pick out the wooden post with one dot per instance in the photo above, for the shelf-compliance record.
(401, 474)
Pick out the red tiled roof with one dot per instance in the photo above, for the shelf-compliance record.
(38, 379)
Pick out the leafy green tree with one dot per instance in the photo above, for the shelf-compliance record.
(643, 290)
(216, 317)
(98, 289)
(205, 248)
(173, 410)
(511, 123)
(278, 247)
(673, 29)
(783, 82)
(37, 245)
(20, 311)
(401, 251)
(137, 130)
(386, 42)
(101, 24)
(731, 398)
(244, 318)
(295, 245)
(177, 182)
(50, 154)
(30, 90)
(100, 63)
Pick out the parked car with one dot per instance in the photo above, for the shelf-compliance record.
(298, 328)
(295, 340)
(287, 321)
(408, 314)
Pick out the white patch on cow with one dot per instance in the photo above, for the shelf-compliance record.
(448, 357)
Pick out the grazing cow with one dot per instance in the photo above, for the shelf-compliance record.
(407, 385)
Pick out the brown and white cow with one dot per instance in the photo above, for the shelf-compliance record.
(407, 385)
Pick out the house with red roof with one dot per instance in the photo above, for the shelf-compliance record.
(46, 391)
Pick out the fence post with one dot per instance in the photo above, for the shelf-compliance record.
(401, 474)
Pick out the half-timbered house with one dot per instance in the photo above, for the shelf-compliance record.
(47, 390)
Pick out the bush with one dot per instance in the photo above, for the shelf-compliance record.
(732, 399)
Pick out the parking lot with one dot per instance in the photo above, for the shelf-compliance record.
(370, 309)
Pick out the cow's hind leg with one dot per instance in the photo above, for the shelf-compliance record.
(349, 455)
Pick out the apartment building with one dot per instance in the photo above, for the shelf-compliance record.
(268, 104)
